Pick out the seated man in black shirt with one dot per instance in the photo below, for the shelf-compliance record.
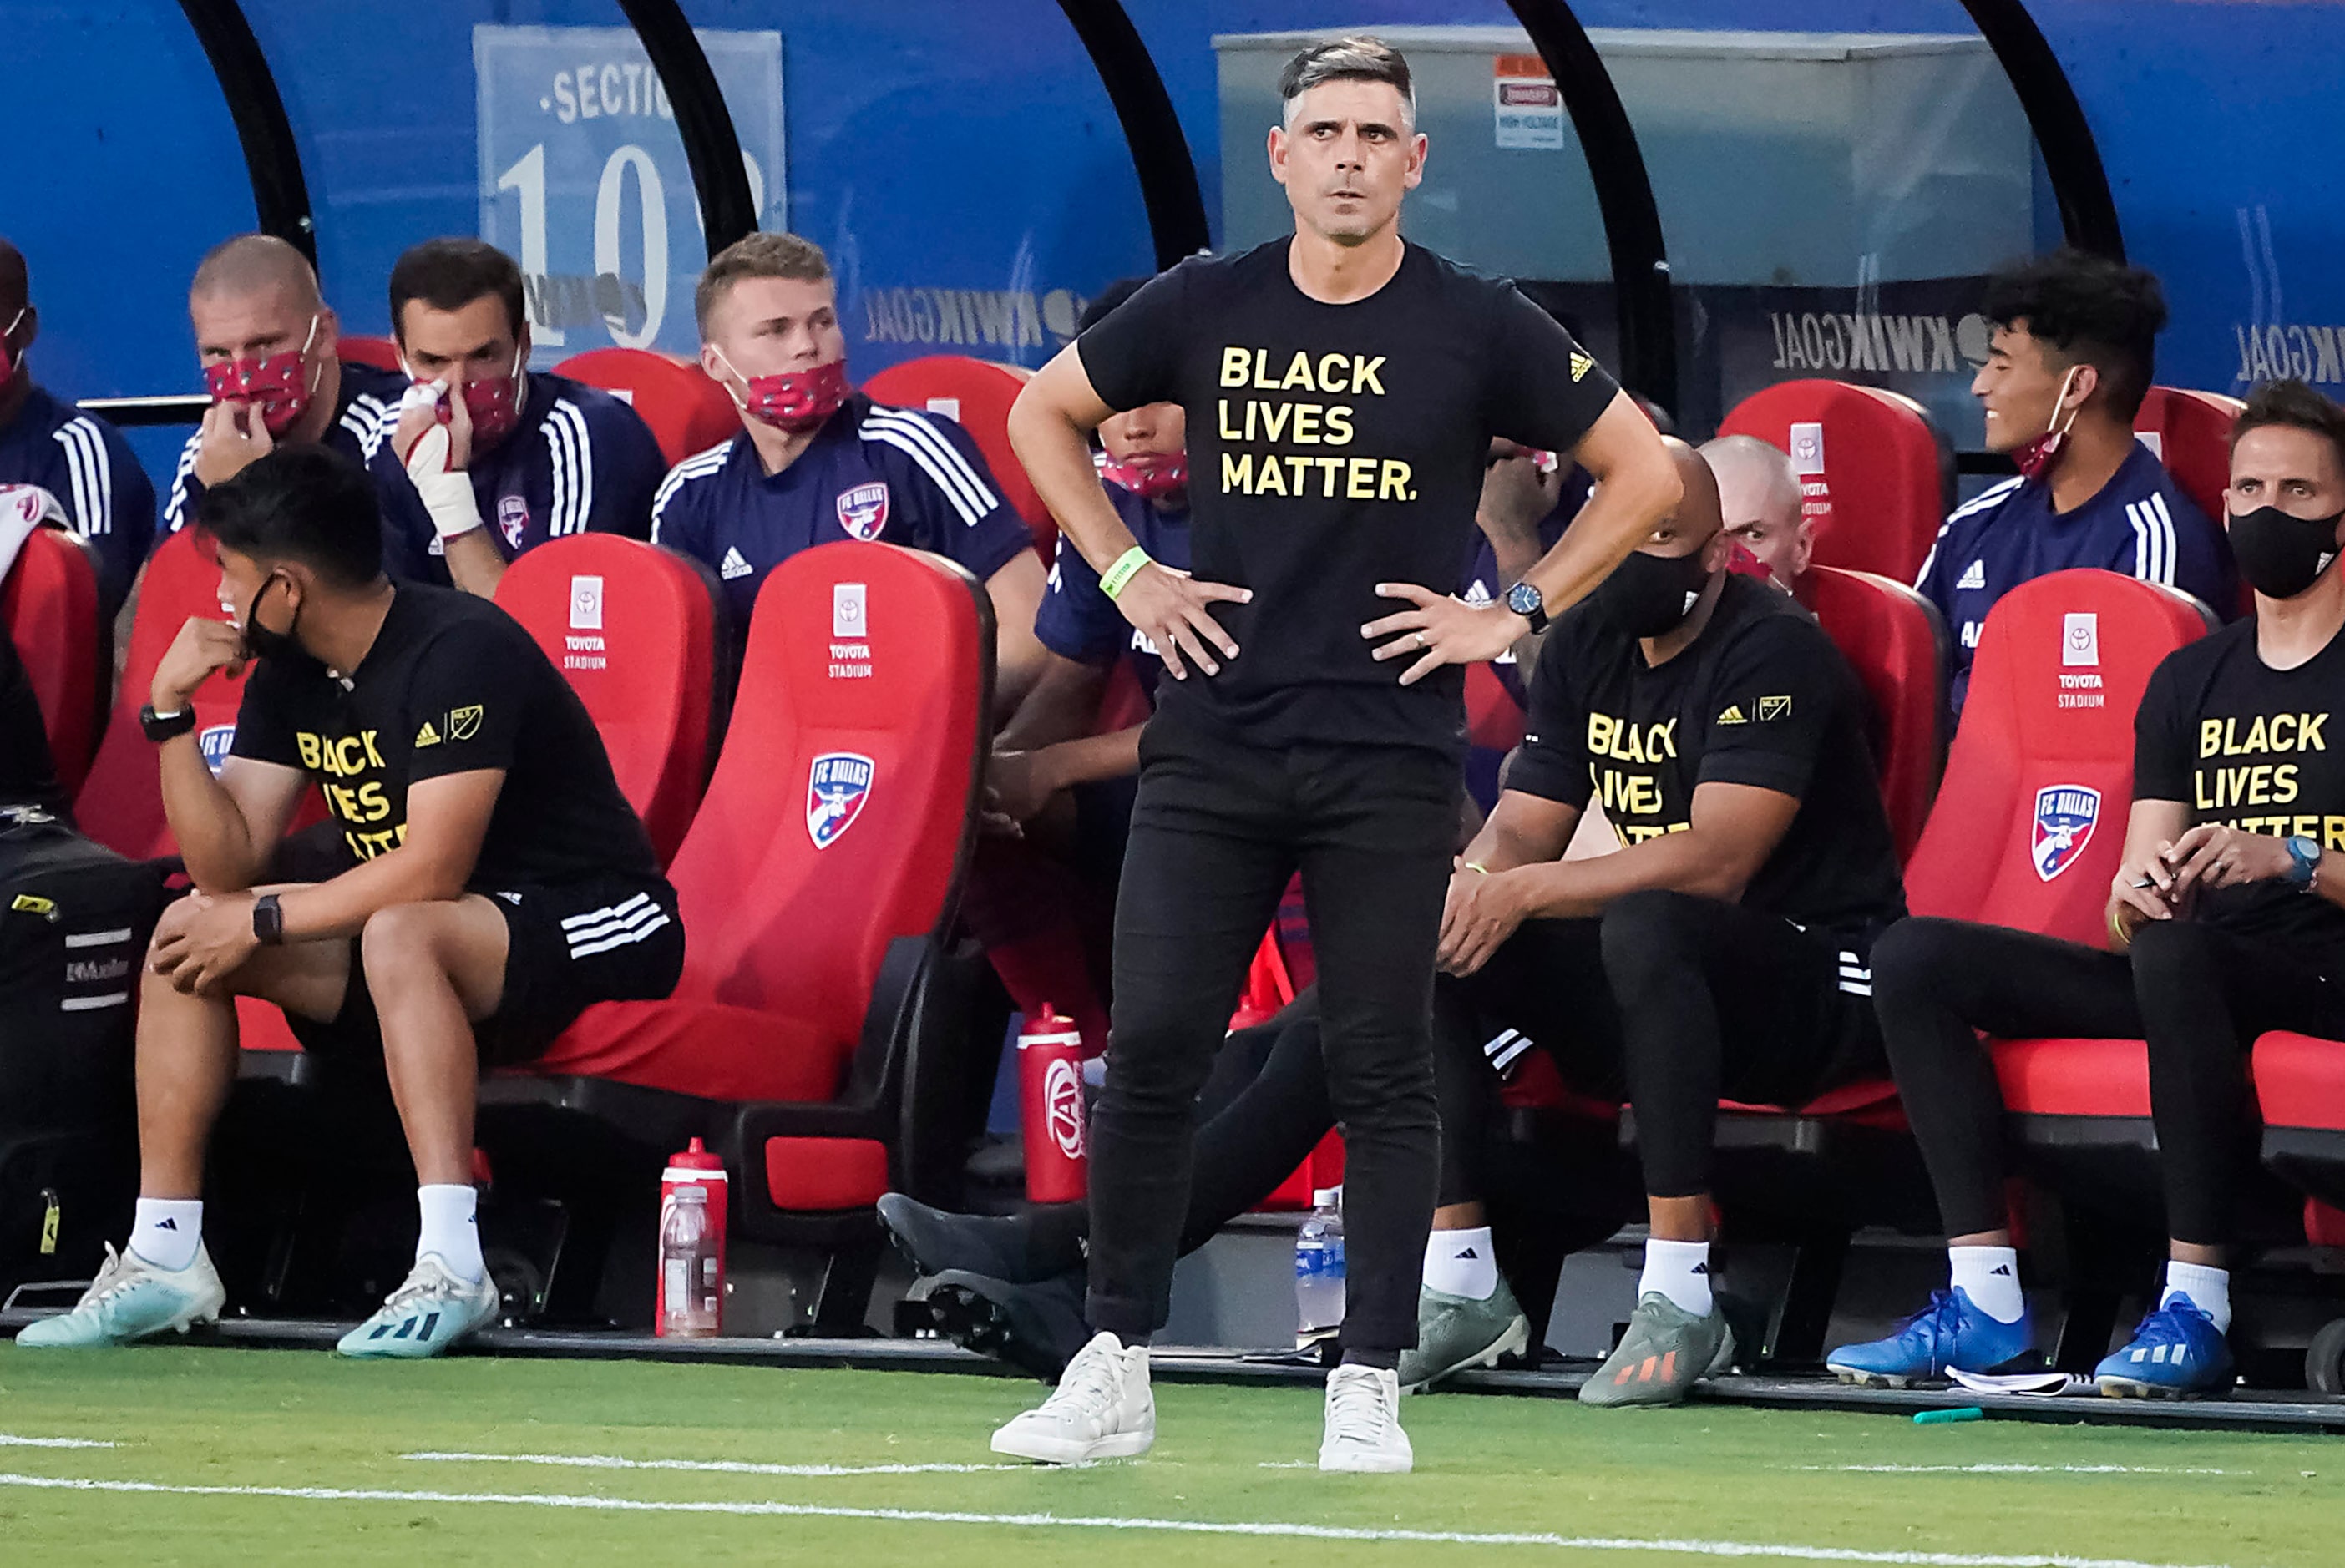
(1720, 952)
(2224, 923)
(499, 882)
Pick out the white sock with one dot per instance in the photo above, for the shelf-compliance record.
(450, 1228)
(2209, 1291)
(1460, 1263)
(1680, 1270)
(167, 1230)
(1989, 1276)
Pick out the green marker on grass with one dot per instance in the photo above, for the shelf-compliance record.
(1934, 1418)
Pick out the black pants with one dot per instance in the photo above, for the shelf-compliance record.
(1219, 827)
(1669, 1001)
(2198, 995)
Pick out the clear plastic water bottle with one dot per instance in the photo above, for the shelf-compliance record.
(1319, 1268)
(688, 1267)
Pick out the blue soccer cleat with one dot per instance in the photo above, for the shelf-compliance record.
(132, 1300)
(2177, 1352)
(1951, 1334)
(430, 1311)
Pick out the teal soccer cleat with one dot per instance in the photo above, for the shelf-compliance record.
(132, 1299)
(424, 1316)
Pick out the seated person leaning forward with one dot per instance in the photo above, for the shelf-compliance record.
(1721, 951)
(499, 882)
(2223, 924)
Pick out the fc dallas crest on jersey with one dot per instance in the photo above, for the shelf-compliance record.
(863, 511)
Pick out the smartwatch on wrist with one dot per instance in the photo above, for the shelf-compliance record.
(161, 727)
(2304, 861)
(268, 920)
(1526, 601)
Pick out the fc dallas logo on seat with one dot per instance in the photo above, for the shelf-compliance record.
(2065, 815)
(863, 511)
(836, 786)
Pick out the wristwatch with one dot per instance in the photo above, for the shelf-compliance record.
(161, 727)
(268, 920)
(1526, 601)
(2304, 857)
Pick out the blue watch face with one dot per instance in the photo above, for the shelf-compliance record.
(2306, 854)
(1524, 600)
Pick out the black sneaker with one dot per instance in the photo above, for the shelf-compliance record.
(1038, 1328)
(1021, 1249)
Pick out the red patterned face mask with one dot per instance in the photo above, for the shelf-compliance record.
(2036, 459)
(1152, 476)
(279, 385)
(493, 405)
(795, 400)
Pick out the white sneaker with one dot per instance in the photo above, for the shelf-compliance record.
(1102, 1408)
(1364, 1433)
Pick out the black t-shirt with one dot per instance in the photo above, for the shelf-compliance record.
(1333, 448)
(451, 685)
(1761, 698)
(27, 775)
(2242, 743)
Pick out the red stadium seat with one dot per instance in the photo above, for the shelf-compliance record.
(632, 628)
(121, 802)
(49, 605)
(2300, 1081)
(380, 353)
(686, 412)
(2030, 826)
(1896, 643)
(1875, 469)
(978, 394)
(2191, 434)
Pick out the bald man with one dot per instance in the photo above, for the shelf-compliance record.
(1723, 951)
(80, 460)
(1759, 498)
(268, 340)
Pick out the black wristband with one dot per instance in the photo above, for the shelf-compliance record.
(161, 727)
(268, 920)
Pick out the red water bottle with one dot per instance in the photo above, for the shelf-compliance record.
(693, 1203)
(1050, 1082)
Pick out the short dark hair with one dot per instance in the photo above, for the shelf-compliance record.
(449, 274)
(1100, 304)
(759, 255)
(2290, 404)
(2090, 311)
(302, 502)
(1356, 59)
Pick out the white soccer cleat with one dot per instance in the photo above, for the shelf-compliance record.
(1102, 1408)
(1364, 1435)
(132, 1299)
(429, 1311)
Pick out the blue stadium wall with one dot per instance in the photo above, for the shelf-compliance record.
(961, 157)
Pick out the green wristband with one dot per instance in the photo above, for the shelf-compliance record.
(1127, 566)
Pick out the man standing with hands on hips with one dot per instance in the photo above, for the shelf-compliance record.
(1341, 390)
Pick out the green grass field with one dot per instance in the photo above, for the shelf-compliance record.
(253, 1428)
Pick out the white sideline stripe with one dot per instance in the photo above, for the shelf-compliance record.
(2020, 1470)
(10, 1439)
(1781, 1552)
(99, 938)
(716, 1466)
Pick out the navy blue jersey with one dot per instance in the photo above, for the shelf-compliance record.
(1078, 621)
(85, 462)
(2140, 523)
(1484, 584)
(364, 417)
(580, 461)
(899, 475)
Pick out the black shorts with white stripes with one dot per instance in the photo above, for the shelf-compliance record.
(569, 946)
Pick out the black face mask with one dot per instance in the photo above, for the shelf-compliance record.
(1650, 595)
(260, 641)
(2279, 555)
